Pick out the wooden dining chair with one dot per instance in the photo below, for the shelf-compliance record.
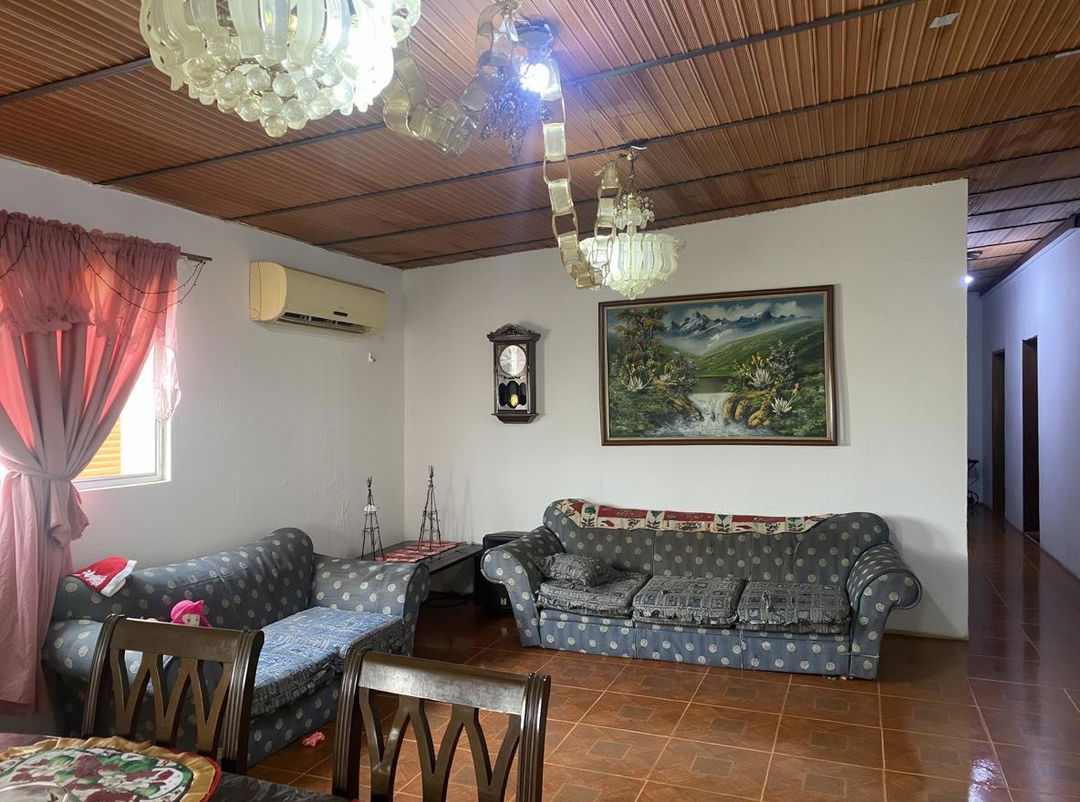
(468, 690)
(222, 715)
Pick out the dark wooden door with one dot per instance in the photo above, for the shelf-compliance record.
(997, 430)
(1030, 354)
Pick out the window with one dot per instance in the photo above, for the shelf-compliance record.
(136, 450)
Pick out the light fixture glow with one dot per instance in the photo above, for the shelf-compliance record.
(969, 280)
(536, 77)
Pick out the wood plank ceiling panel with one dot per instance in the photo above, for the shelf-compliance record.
(128, 124)
(740, 193)
(825, 112)
(48, 41)
(1058, 191)
(338, 168)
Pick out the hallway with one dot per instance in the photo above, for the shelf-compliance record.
(1021, 668)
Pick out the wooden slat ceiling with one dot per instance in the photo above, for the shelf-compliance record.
(794, 101)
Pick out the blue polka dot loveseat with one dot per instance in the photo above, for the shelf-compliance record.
(311, 608)
(808, 595)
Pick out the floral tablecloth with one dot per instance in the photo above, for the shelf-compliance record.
(107, 770)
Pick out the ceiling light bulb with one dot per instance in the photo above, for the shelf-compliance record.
(969, 280)
(535, 77)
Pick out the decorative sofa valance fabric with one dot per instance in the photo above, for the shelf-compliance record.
(824, 586)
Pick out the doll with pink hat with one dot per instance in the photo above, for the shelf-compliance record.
(190, 613)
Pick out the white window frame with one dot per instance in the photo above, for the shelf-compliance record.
(161, 474)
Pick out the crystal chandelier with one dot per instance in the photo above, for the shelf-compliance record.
(516, 77)
(278, 62)
(628, 258)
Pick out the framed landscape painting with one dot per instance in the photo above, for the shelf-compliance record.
(742, 368)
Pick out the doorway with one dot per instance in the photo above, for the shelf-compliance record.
(1030, 413)
(997, 430)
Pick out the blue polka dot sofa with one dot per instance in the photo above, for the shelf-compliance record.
(311, 608)
(808, 595)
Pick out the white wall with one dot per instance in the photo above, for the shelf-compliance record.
(978, 369)
(1041, 300)
(276, 426)
(898, 262)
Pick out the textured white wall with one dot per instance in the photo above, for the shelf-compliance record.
(277, 426)
(897, 259)
(1040, 300)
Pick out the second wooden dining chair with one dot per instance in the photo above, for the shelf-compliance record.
(468, 690)
(222, 715)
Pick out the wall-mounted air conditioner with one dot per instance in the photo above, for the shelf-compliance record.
(282, 294)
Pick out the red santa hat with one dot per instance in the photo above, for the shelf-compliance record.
(106, 576)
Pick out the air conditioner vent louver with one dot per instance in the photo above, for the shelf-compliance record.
(322, 322)
(282, 294)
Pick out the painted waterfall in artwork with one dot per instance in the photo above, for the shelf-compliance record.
(746, 368)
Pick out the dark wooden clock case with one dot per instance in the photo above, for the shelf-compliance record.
(526, 411)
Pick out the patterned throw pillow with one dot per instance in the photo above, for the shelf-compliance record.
(610, 599)
(578, 569)
(794, 607)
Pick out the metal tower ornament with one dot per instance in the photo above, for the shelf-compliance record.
(371, 533)
(429, 522)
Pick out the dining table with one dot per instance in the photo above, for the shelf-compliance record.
(230, 787)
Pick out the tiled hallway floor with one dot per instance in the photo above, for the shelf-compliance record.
(993, 719)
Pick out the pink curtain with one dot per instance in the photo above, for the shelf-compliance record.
(79, 313)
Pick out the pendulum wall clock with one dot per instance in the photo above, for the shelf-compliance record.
(514, 373)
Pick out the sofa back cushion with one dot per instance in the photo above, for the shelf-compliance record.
(249, 586)
(574, 522)
(818, 548)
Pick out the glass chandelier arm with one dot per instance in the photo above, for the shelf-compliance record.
(205, 15)
(311, 21)
(245, 17)
(556, 173)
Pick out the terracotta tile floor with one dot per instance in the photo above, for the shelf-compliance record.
(995, 719)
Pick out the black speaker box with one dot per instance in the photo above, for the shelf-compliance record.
(490, 595)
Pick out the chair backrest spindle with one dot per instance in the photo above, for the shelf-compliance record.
(222, 715)
(468, 690)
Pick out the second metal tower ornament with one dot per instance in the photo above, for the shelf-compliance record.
(429, 522)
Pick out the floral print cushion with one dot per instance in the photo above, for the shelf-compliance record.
(689, 600)
(612, 599)
(801, 607)
(579, 569)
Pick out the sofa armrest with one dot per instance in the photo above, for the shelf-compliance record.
(69, 647)
(344, 583)
(516, 566)
(879, 582)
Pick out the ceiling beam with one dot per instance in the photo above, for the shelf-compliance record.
(732, 174)
(667, 138)
(76, 80)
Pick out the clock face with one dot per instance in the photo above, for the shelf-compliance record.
(512, 360)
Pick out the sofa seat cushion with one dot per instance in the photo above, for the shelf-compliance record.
(288, 670)
(796, 607)
(695, 601)
(612, 599)
(337, 631)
